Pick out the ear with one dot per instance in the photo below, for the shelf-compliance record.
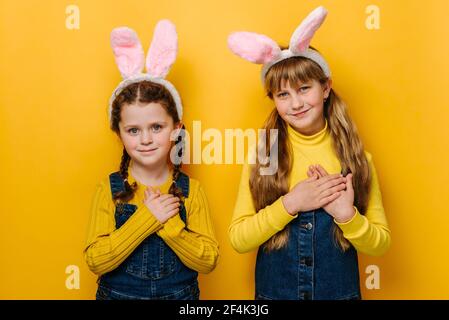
(163, 49)
(253, 47)
(127, 51)
(300, 40)
(327, 88)
(177, 126)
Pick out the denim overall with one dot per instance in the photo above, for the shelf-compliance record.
(152, 270)
(310, 266)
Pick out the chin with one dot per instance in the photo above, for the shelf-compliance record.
(302, 123)
(146, 161)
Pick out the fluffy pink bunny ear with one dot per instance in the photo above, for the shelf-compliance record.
(302, 36)
(253, 47)
(128, 51)
(163, 49)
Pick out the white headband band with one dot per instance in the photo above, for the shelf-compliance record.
(146, 77)
(285, 54)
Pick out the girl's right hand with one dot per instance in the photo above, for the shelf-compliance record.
(313, 193)
(162, 206)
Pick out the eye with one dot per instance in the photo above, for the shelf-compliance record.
(133, 131)
(304, 88)
(156, 127)
(282, 94)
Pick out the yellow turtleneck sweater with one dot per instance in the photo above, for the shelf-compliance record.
(249, 229)
(107, 247)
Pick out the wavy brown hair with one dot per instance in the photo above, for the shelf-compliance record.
(347, 145)
(145, 92)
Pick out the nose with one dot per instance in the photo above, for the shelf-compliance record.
(146, 137)
(297, 102)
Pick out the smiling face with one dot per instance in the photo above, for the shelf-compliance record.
(145, 131)
(301, 106)
(298, 87)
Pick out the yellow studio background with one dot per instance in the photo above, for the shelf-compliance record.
(56, 144)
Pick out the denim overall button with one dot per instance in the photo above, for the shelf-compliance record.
(309, 226)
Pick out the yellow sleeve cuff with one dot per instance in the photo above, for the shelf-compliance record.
(279, 216)
(143, 211)
(172, 227)
(357, 224)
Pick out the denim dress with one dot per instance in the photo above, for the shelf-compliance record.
(152, 270)
(310, 266)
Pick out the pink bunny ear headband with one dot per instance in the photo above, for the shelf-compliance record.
(260, 49)
(129, 57)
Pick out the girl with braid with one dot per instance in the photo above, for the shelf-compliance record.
(323, 205)
(150, 231)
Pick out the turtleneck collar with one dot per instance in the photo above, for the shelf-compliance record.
(163, 187)
(315, 139)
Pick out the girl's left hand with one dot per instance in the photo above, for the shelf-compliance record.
(341, 209)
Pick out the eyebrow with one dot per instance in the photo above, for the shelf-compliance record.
(149, 124)
(302, 84)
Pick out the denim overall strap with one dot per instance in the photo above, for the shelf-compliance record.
(117, 183)
(123, 210)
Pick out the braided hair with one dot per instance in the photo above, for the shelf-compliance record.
(128, 193)
(179, 148)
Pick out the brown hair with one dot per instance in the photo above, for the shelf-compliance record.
(345, 142)
(144, 92)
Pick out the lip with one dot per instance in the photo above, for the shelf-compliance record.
(147, 151)
(300, 114)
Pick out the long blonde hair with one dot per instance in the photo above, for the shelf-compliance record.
(347, 145)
